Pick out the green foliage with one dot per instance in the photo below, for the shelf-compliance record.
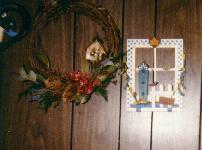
(82, 99)
(30, 88)
(26, 68)
(42, 58)
(77, 100)
(102, 92)
(46, 101)
(85, 99)
(40, 78)
(108, 80)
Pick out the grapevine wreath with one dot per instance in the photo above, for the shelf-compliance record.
(50, 87)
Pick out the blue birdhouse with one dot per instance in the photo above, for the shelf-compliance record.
(143, 77)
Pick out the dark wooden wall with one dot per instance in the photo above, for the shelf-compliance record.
(100, 125)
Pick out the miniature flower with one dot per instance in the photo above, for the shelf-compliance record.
(97, 82)
(75, 75)
(89, 88)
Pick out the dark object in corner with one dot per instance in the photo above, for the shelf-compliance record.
(8, 23)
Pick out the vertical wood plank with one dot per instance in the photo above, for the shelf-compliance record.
(25, 127)
(6, 107)
(96, 124)
(180, 130)
(200, 132)
(1, 97)
(10, 88)
(135, 126)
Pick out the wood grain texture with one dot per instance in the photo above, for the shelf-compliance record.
(165, 57)
(96, 124)
(180, 130)
(54, 128)
(13, 113)
(9, 101)
(25, 127)
(135, 126)
(200, 132)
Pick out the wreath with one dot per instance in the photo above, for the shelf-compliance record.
(48, 86)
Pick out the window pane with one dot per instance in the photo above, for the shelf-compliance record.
(165, 58)
(144, 55)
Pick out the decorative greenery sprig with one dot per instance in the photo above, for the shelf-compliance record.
(77, 86)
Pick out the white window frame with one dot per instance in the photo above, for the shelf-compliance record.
(132, 45)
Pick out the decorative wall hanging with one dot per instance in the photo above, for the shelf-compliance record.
(15, 23)
(50, 87)
(147, 91)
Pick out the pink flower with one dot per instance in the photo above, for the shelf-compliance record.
(97, 82)
(75, 75)
(89, 88)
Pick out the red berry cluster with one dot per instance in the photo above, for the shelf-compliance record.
(85, 82)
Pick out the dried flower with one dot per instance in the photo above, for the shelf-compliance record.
(69, 93)
(84, 81)
(53, 84)
(86, 89)
(77, 75)
(97, 82)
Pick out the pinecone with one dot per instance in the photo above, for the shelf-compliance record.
(69, 93)
(53, 84)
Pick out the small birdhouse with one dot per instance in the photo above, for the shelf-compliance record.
(143, 76)
(96, 51)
